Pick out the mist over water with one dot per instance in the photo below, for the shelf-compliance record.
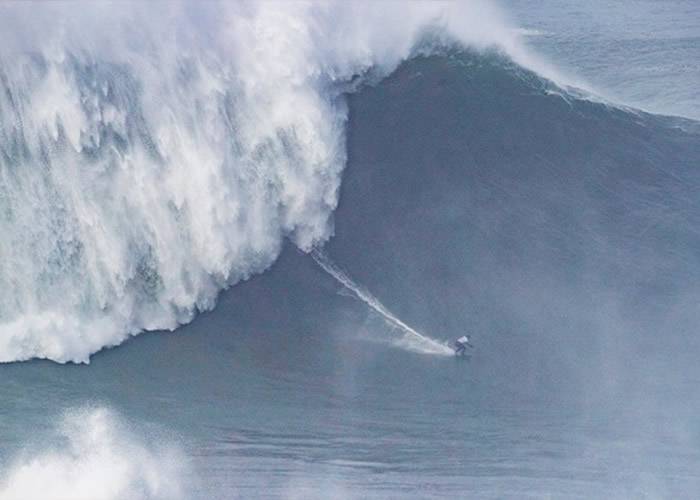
(368, 182)
(410, 338)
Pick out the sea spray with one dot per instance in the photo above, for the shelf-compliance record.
(411, 339)
(95, 454)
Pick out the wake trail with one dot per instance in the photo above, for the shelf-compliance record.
(412, 340)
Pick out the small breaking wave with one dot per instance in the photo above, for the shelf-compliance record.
(95, 457)
(147, 165)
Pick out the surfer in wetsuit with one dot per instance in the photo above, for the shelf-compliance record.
(461, 345)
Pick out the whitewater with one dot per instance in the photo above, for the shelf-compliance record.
(145, 166)
(300, 193)
(97, 457)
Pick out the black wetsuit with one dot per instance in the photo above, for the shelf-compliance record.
(460, 348)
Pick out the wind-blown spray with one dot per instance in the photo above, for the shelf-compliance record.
(412, 339)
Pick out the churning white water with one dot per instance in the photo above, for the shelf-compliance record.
(94, 456)
(148, 161)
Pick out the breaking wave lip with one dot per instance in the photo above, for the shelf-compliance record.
(96, 457)
(145, 166)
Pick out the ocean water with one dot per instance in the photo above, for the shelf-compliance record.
(637, 52)
(238, 240)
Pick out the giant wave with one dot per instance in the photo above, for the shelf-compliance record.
(145, 165)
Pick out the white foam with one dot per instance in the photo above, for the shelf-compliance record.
(411, 339)
(150, 157)
(95, 457)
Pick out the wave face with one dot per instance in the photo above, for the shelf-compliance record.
(148, 160)
(561, 232)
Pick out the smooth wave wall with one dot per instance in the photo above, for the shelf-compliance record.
(562, 233)
(153, 154)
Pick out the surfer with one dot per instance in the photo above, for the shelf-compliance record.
(461, 345)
